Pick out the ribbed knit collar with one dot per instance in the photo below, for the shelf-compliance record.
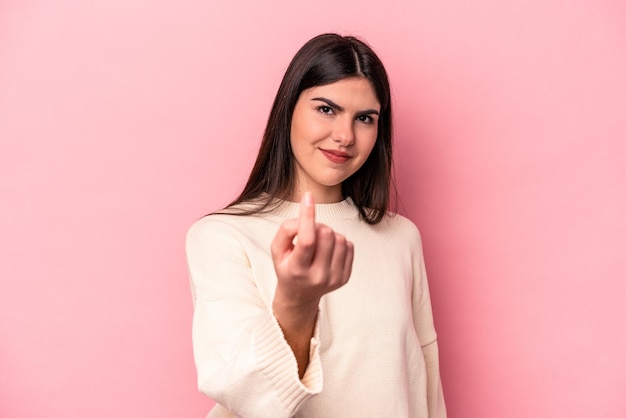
(345, 209)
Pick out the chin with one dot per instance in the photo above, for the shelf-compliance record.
(332, 182)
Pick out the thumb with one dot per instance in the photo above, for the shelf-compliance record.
(282, 244)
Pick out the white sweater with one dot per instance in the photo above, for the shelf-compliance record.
(374, 352)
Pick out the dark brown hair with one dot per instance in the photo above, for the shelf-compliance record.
(324, 59)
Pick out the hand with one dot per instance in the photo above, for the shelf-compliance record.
(319, 262)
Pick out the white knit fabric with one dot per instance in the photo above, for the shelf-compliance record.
(374, 352)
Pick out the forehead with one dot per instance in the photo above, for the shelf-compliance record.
(354, 92)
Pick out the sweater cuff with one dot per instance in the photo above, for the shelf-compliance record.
(278, 363)
(313, 377)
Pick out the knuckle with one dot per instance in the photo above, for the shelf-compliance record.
(320, 277)
(327, 236)
(325, 230)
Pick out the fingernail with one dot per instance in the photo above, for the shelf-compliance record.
(308, 199)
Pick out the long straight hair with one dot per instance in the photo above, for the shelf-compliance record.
(323, 60)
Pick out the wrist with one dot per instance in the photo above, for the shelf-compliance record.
(295, 315)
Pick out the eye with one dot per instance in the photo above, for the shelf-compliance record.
(327, 110)
(365, 119)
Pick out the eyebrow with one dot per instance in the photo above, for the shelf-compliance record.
(341, 109)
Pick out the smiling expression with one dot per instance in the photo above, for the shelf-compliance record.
(333, 130)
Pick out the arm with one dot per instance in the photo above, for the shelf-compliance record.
(251, 359)
(425, 328)
(242, 359)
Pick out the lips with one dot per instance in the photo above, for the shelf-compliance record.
(336, 156)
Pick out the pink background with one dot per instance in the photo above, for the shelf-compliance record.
(121, 122)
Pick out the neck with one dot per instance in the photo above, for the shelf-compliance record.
(318, 198)
(320, 195)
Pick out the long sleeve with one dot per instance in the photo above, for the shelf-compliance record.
(242, 359)
(425, 328)
(374, 336)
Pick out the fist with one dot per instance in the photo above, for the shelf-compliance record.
(310, 259)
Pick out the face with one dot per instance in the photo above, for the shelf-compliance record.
(333, 130)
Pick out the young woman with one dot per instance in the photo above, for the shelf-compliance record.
(318, 308)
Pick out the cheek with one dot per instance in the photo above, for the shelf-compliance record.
(309, 129)
(369, 140)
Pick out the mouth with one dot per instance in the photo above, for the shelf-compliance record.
(336, 156)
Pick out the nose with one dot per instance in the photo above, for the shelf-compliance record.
(343, 132)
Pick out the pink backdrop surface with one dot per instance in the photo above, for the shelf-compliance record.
(123, 122)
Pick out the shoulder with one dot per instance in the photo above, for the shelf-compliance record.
(397, 222)
(401, 227)
(227, 228)
(225, 221)
(209, 230)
